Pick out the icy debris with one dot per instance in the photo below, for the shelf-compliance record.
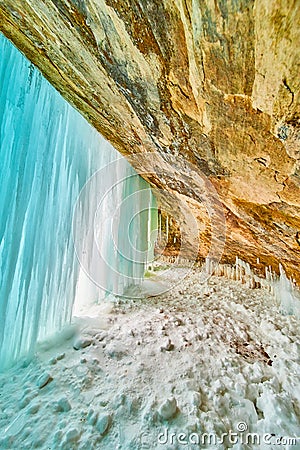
(103, 403)
(57, 438)
(33, 408)
(43, 380)
(81, 342)
(62, 424)
(196, 399)
(214, 387)
(119, 400)
(116, 350)
(167, 345)
(256, 372)
(62, 405)
(72, 435)
(60, 356)
(168, 408)
(132, 404)
(280, 416)
(92, 417)
(26, 399)
(81, 370)
(101, 336)
(103, 423)
(54, 359)
(218, 387)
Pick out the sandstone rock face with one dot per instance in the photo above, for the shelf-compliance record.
(209, 87)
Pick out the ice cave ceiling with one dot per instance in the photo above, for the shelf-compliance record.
(214, 83)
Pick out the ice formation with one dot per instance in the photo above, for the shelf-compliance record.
(203, 360)
(48, 154)
(284, 291)
(286, 294)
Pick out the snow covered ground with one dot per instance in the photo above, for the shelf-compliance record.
(201, 366)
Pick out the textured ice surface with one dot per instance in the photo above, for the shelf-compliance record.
(287, 295)
(233, 373)
(48, 152)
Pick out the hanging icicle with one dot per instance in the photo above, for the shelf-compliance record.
(48, 152)
(283, 289)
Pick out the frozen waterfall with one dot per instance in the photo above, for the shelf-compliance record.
(60, 181)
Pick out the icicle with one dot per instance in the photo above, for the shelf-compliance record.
(159, 217)
(167, 229)
(283, 289)
(207, 266)
(48, 152)
(286, 294)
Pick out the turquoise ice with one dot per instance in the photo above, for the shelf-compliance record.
(48, 153)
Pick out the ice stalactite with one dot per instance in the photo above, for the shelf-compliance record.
(114, 231)
(286, 294)
(48, 152)
(167, 229)
(159, 227)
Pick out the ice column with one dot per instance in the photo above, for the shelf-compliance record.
(286, 294)
(48, 152)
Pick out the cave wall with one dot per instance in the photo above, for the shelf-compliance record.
(207, 84)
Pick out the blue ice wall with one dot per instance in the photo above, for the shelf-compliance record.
(48, 153)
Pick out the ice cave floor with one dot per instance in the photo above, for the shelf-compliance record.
(201, 366)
